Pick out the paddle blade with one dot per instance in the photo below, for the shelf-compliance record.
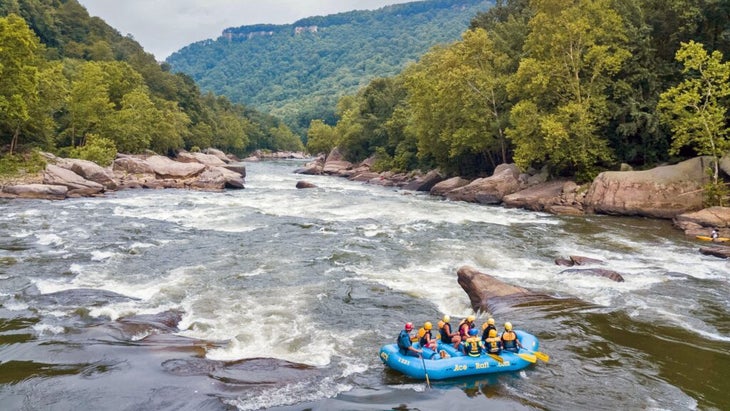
(497, 357)
(542, 356)
(528, 357)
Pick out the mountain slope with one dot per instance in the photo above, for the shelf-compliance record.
(298, 71)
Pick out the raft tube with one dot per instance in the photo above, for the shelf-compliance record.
(458, 364)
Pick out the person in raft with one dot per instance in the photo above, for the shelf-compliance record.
(493, 345)
(487, 327)
(448, 336)
(427, 340)
(509, 339)
(465, 325)
(473, 346)
(715, 234)
(405, 346)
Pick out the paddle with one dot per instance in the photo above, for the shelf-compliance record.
(540, 355)
(527, 357)
(428, 383)
(497, 357)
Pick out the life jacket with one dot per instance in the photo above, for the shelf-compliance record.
(404, 340)
(423, 340)
(472, 346)
(418, 335)
(485, 334)
(509, 341)
(493, 345)
(445, 334)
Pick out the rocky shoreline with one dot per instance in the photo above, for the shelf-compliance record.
(69, 178)
(671, 192)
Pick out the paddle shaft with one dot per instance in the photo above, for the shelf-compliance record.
(428, 383)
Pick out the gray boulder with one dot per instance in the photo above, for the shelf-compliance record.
(35, 191)
(425, 183)
(166, 168)
(448, 185)
(77, 185)
(489, 190)
(662, 192)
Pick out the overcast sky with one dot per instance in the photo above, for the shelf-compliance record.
(165, 26)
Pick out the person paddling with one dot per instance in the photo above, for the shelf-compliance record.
(493, 345)
(487, 327)
(447, 336)
(427, 340)
(465, 325)
(509, 339)
(473, 345)
(404, 342)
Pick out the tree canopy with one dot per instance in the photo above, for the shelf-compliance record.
(65, 76)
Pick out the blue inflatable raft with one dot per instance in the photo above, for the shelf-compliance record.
(457, 364)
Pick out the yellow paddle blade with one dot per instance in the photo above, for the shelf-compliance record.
(542, 356)
(528, 357)
(497, 357)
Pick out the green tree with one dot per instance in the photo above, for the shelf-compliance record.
(19, 75)
(695, 110)
(573, 50)
(131, 128)
(321, 137)
(88, 104)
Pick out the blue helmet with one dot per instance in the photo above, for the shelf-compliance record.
(473, 331)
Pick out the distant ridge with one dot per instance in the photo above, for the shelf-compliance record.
(298, 71)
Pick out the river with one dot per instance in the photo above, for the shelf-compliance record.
(276, 298)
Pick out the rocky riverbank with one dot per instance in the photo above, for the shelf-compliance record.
(68, 178)
(667, 192)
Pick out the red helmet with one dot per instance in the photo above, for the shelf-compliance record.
(409, 326)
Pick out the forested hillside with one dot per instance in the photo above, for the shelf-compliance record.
(298, 71)
(573, 87)
(72, 85)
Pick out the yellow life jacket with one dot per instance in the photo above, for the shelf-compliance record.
(472, 346)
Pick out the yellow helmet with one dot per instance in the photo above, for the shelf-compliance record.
(471, 318)
(508, 326)
(492, 333)
(427, 325)
(490, 321)
(446, 318)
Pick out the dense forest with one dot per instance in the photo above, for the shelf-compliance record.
(573, 87)
(298, 71)
(72, 85)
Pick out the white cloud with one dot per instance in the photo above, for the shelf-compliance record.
(165, 26)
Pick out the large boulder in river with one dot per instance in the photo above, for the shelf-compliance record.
(489, 190)
(662, 192)
(35, 191)
(217, 178)
(77, 185)
(168, 169)
(486, 293)
(557, 197)
(440, 189)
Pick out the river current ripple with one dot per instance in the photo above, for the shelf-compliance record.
(278, 298)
